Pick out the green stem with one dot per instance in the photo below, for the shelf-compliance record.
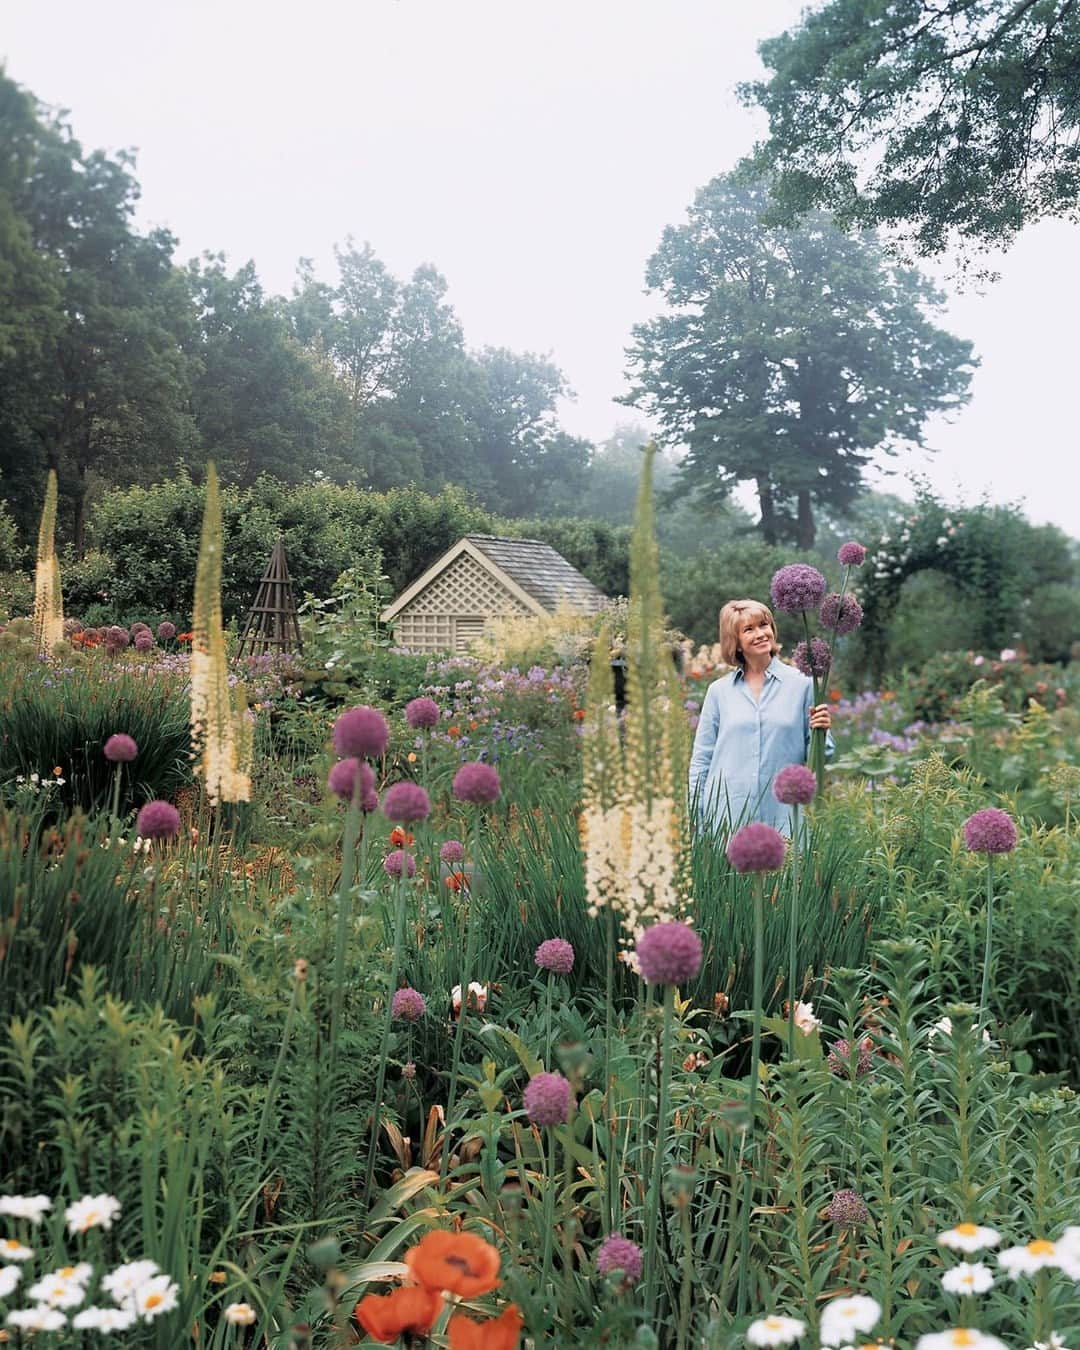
(459, 1033)
(793, 931)
(652, 1217)
(547, 1021)
(611, 1172)
(755, 1060)
(271, 1096)
(116, 800)
(548, 1144)
(380, 1081)
(984, 997)
(344, 907)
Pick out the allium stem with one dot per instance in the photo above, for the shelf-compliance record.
(611, 1172)
(816, 761)
(380, 1081)
(653, 1255)
(466, 976)
(547, 1019)
(793, 931)
(755, 1061)
(984, 997)
(116, 798)
(344, 906)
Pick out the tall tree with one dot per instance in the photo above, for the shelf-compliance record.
(952, 120)
(787, 357)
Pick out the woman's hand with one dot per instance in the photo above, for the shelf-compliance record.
(820, 717)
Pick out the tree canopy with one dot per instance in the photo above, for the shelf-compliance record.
(787, 357)
(954, 121)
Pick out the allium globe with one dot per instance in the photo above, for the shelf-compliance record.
(166, 630)
(556, 955)
(619, 1254)
(794, 785)
(408, 1004)
(342, 778)
(669, 953)
(361, 731)
(851, 554)
(812, 658)
(399, 863)
(990, 831)
(117, 636)
(158, 820)
(476, 782)
(546, 1099)
(144, 642)
(120, 748)
(756, 848)
(797, 587)
(848, 1209)
(840, 616)
(421, 713)
(139, 627)
(406, 802)
(452, 852)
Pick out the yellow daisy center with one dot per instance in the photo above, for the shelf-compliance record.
(773, 1323)
(967, 1279)
(1041, 1247)
(67, 1272)
(10, 1245)
(963, 1336)
(967, 1229)
(153, 1300)
(847, 1312)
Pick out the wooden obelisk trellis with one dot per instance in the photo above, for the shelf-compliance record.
(271, 622)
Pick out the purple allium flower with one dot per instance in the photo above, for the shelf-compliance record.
(617, 1253)
(839, 1058)
(119, 635)
(342, 778)
(990, 831)
(813, 659)
(848, 1209)
(851, 554)
(166, 630)
(120, 748)
(398, 862)
(139, 627)
(756, 848)
(408, 1004)
(546, 1099)
(406, 802)
(794, 785)
(476, 782)
(421, 713)
(72, 626)
(452, 851)
(556, 955)
(669, 953)
(144, 641)
(361, 731)
(797, 587)
(158, 820)
(840, 616)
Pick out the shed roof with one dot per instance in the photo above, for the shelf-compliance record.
(541, 571)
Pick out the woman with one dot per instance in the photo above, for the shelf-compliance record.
(754, 721)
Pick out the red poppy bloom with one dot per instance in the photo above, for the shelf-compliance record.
(459, 1263)
(497, 1333)
(400, 838)
(387, 1316)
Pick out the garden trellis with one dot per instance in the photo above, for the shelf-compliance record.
(272, 623)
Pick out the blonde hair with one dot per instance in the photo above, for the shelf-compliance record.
(734, 615)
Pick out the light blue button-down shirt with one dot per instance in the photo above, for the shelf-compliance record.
(742, 743)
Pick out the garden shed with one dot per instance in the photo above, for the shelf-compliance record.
(485, 577)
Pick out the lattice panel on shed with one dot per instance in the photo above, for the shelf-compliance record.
(466, 592)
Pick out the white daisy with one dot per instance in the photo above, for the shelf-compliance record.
(969, 1237)
(80, 1274)
(958, 1338)
(32, 1207)
(240, 1314)
(124, 1280)
(1055, 1342)
(9, 1278)
(11, 1250)
(1036, 1255)
(968, 1278)
(92, 1211)
(37, 1319)
(844, 1317)
(103, 1319)
(156, 1296)
(57, 1293)
(1068, 1245)
(775, 1330)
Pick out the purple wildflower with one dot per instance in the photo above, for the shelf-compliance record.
(158, 820)
(398, 862)
(841, 616)
(794, 785)
(476, 782)
(117, 637)
(814, 659)
(144, 641)
(840, 1058)
(990, 831)
(166, 630)
(848, 1209)
(342, 779)
(408, 1004)
(617, 1253)
(851, 554)
(797, 587)
(452, 851)
(546, 1099)
(669, 953)
(421, 713)
(120, 748)
(361, 731)
(556, 955)
(406, 802)
(756, 848)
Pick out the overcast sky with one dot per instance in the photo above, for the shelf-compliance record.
(533, 150)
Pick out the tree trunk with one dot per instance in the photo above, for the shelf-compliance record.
(79, 497)
(806, 528)
(768, 512)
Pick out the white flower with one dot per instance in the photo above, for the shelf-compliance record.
(155, 1297)
(79, 1274)
(843, 1317)
(477, 997)
(1035, 1255)
(9, 1278)
(978, 661)
(240, 1314)
(1055, 1342)
(969, 1237)
(103, 1319)
(32, 1207)
(775, 1330)
(1068, 1245)
(92, 1211)
(1007, 654)
(967, 1278)
(941, 541)
(943, 1027)
(124, 1280)
(11, 1250)
(958, 1338)
(57, 1293)
(805, 1019)
(37, 1319)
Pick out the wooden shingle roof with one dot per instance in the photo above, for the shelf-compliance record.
(541, 571)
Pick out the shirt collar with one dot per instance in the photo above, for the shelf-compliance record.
(772, 670)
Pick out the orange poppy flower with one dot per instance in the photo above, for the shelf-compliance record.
(457, 1262)
(457, 881)
(835, 696)
(184, 637)
(473, 725)
(498, 1333)
(579, 714)
(399, 837)
(453, 731)
(386, 1316)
